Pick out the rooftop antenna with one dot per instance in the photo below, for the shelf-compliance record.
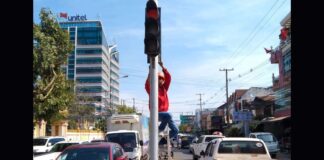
(98, 16)
(114, 40)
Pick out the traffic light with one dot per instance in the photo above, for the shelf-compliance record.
(152, 40)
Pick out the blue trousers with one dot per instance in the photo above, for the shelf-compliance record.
(166, 118)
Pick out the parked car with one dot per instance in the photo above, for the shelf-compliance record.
(270, 140)
(236, 148)
(194, 140)
(45, 144)
(57, 149)
(94, 151)
(186, 141)
(202, 144)
(98, 140)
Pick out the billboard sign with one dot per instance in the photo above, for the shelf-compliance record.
(242, 116)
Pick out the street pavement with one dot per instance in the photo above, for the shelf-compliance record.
(182, 154)
(283, 156)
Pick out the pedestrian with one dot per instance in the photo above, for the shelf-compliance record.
(165, 117)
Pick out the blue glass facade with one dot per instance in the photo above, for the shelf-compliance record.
(89, 64)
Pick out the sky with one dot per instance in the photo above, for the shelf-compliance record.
(198, 39)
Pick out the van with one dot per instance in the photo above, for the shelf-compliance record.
(131, 132)
(270, 140)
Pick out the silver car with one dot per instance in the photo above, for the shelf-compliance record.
(269, 139)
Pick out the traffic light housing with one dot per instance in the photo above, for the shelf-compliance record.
(152, 40)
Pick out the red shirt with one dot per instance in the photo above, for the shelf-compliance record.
(163, 103)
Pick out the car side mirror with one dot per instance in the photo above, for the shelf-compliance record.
(49, 144)
(202, 153)
(141, 143)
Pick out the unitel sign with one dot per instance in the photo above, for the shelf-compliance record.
(73, 18)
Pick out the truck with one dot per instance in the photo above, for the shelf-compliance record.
(131, 131)
(201, 144)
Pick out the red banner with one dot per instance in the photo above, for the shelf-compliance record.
(64, 15)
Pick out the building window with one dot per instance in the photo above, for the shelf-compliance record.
(84, 51)
(89, 70)
(90, 99)
(89, 79)
(90, 89)
(90, 35)
(282, 98)
(89, 60)
(287, 62)
(70, 76)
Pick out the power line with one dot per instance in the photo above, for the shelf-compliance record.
(259, 30)
(246, 40)
(250, 70)
(201, 84)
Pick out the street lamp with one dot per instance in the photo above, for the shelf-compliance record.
(110, 95)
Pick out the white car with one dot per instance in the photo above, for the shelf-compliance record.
(45, 144)
(201, 144)
(57, 149)
(236, 148)
(270, 140)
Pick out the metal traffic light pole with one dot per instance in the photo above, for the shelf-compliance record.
(152, 53)
(153, 143)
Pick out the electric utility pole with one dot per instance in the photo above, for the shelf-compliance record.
(227, 105)
(200, 103)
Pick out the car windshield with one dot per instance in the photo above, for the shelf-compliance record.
(85, 154)
(39, 142)
(126, 140)
(237, 147)
(208, 139)
(98, 140)
(267, 138)
(187, 138)
(59, 147)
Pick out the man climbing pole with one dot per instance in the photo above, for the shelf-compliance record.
(164, 80)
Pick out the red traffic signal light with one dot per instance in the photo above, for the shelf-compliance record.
(152, 29)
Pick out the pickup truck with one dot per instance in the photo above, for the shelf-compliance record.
(201, 144)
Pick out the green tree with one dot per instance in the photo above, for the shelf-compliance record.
(101, 124)
(52, 92)
(233, 132)
(123, 109)
(80, 113)
(182, 128)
